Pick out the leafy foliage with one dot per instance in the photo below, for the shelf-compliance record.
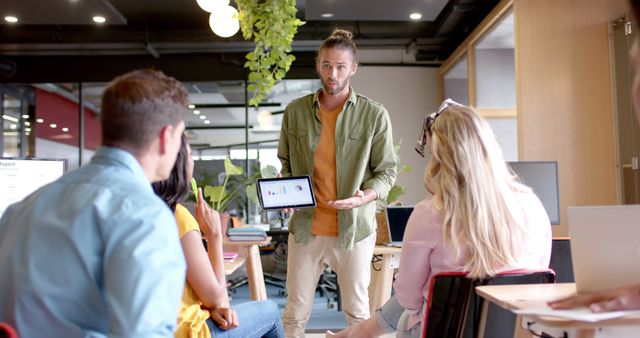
(397, 190)
(271, 24)
(219, 196)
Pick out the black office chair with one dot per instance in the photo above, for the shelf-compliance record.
(455, 308)
(275, 266)
(328, 288)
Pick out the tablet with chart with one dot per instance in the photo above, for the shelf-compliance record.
(286, 192)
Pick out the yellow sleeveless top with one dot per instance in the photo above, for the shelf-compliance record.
(191, 318)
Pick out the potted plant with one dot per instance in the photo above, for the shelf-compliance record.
(220, 197)
(393, 197)
(272, 26)
(235, 189)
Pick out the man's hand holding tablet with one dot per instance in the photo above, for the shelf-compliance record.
(286, 193)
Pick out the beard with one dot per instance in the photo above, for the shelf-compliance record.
(333, 90)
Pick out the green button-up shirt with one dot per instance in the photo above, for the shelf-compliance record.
(364, 159)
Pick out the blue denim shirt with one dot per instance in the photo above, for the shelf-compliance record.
(94, 254)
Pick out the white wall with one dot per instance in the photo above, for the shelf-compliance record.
(495, 71)
(408, 93)
(51, 149)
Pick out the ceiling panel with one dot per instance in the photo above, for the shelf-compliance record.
(367, 10)
(61, 12)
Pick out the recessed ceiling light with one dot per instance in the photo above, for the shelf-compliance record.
(99, 19)
(191, 106)
(10, 19)
(207, 121)
(25, 116)
(27, 123)
(65, 129)
(327, 15)
(27, 129)
(40, 120)
(53, 125)
(13, 126)
(415, 16)
(10, 118)
(197, 112)
(202, 117)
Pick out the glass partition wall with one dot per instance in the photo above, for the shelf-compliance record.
(43, 120)
(481, 74)
(220, 126)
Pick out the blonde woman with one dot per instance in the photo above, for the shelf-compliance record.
(480, 220)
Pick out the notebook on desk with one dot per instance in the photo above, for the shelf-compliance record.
(397, 218)
(605, 246)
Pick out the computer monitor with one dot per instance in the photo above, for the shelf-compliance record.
(19, 177)
(542, 177)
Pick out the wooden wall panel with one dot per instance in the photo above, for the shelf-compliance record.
(564, 99)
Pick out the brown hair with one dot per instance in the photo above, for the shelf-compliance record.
(340, 39)
(137, 105)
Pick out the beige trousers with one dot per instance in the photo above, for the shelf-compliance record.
(305, 264)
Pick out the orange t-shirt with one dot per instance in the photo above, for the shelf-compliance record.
(325, 218)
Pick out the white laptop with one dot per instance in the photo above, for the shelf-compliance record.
(605, 246)
(397, 218)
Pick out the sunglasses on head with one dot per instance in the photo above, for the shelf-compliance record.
(427, 123)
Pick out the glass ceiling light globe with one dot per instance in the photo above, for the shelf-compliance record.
(224, 21)
(209, 5)
(265, 120)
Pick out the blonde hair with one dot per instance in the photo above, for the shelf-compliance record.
(471, 185)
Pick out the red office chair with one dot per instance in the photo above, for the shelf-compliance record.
(7, 331)
(454, 307)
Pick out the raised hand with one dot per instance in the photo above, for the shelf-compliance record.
(207, 218)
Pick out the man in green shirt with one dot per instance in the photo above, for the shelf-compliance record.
(343, 140)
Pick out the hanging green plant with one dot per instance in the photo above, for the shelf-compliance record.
(271, 24)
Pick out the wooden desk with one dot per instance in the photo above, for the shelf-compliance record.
(230, 266)
(514, 297)
(382, 280)
(250, 252)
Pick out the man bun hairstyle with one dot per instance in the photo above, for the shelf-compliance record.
(340, 39)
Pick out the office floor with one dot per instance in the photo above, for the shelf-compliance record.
(322, 317)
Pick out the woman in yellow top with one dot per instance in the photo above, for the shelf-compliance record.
(205, 310)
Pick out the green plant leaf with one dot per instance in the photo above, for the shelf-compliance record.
(269, 171)
(213, 193)
(252, 193)
(231, 169)
(395, 193)
(405, 169)
(272, 26)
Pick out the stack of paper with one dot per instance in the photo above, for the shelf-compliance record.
(246, 234)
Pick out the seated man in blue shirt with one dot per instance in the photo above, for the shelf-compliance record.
(96, 253)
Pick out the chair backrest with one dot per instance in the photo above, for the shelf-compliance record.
(454, 307)
(7, 331)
